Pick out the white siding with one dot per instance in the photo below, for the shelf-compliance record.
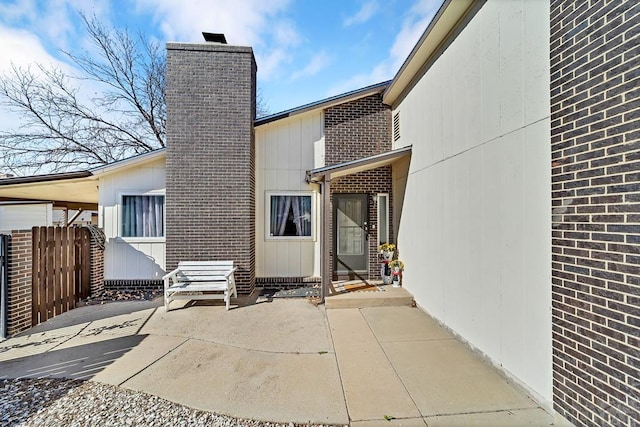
(130, 258)
(476, 226)
(23, 217)
(285, 150)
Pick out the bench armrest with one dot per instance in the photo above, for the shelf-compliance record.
(168, 275)
(226, 275)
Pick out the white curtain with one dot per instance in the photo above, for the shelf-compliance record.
(143, 216)
(280, 206)
(300, 209)
(302, 214)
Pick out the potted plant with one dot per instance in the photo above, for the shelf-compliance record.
(396, 267)
(387, 251)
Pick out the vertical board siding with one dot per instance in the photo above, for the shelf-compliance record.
(285, 151)
(61, 270)
(131, 259)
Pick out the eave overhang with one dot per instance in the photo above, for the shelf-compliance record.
(443, 23)
(327, 173)
(79, 187)
(69, 187)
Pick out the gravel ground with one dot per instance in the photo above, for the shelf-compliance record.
(60, 402)
(106, 296)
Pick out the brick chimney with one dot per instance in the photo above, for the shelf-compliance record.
(210, 196)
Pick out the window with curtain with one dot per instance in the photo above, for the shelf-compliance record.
(142, 216)
(290, 216)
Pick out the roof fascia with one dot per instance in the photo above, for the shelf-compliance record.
(17, 180)
(325, 103)
(437, 34)
(130, 162)
(354, 166)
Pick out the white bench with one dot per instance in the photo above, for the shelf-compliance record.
(200, 280)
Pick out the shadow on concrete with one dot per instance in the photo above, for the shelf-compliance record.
(79, 363)
(91, 313)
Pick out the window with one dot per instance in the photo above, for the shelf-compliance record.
(289, 216)
(142, 216)
(383, 218)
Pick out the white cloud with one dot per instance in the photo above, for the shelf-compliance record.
(256, 23)
(269, 62)
(22, 48)
(378, 74)
(414, 24)
(26, 9)
(317, 63)
(365, 13)
(420, 14)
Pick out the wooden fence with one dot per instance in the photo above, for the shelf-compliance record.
(61, 270)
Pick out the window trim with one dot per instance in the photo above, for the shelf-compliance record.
(267, 216)
(386, 239)
(120, 224)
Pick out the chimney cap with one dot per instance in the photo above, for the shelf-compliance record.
(214, 37)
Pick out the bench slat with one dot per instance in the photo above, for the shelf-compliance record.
(204, 263)
(199, 287)
(200, 277)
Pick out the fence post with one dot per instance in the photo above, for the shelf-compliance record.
(19, 295)
(4, 284)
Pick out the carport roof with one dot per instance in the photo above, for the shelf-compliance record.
(76, 187)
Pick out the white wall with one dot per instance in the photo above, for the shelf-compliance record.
(285, 150)
(475, 229)
(23, 217)
(130, 258)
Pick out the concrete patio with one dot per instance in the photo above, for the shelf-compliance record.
(280, 360)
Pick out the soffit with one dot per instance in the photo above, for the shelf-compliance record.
(327, 173)
(79, 190)
(443, 23)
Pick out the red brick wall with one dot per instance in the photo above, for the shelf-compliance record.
(97, 267)
(354, 130)
(19, 304)
(595, 111)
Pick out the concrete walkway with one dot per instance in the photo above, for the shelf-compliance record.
(285, 360)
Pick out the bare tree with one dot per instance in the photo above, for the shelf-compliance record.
(262, 109)
(63, 129)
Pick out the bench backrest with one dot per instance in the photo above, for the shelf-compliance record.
(204, 270)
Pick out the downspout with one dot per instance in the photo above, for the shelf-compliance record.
(325, 246)
(324, 243)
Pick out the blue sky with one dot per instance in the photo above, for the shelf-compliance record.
(306, 50)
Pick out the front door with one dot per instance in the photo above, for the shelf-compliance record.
(351, 246)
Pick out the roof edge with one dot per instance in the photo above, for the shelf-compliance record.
(324, 103)
(319, 174)
(44, 178)
(443, 23)
(130, 161)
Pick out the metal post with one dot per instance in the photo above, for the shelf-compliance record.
(4, 284)
(325, 243)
